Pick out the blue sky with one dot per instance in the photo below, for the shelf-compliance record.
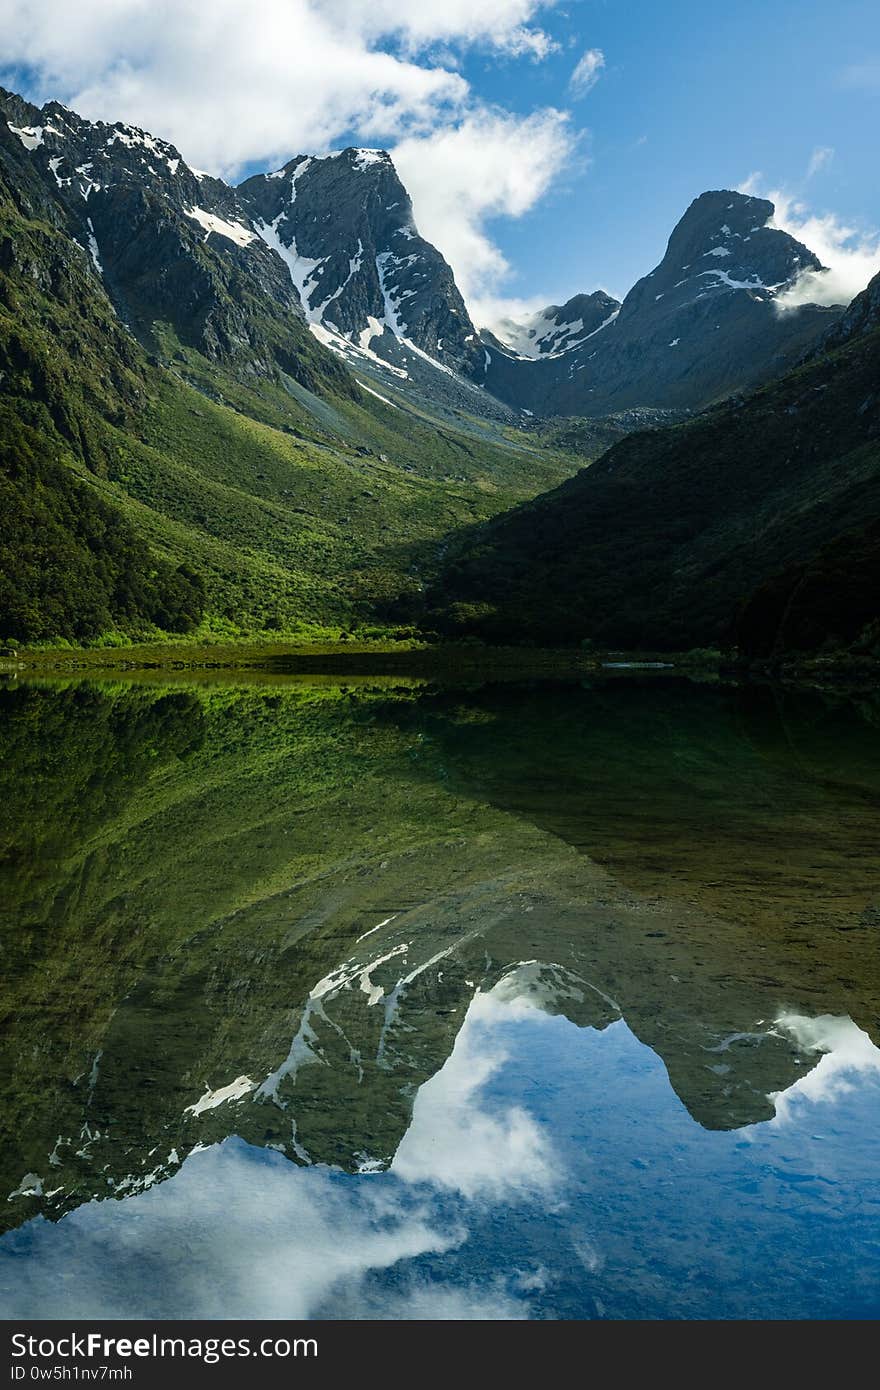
(694, 95)
(533, 190)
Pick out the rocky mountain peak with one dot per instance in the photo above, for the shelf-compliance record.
(723, 242)
(367, 280)
(557, 329)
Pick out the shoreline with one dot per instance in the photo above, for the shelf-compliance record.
(452, 662)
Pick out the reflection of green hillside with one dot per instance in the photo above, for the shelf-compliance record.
(194, 880)
(753, 804)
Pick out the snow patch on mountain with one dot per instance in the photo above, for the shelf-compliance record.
(384, 399)
(234, 231)
(93, 248)
(302, 269)
(31, 136)
(364, 158)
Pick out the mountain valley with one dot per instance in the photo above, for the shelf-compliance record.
(266, 408)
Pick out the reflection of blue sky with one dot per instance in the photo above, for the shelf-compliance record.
(549, 1171)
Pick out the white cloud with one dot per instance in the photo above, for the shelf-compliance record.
(851, 256)
(587, 72)
(847, 1053)
(820, 159)
(752, 185)
(256, 1238)
(490, 164)
(454, 1141)
(232, 88)
(229, 86)
(500, 24)
(509, 317)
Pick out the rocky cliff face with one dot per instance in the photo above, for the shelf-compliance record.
(344, 225)
(166, 243)
(330, 245)
(705, 322)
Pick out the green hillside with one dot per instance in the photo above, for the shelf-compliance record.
(662, 542)
(227, 503)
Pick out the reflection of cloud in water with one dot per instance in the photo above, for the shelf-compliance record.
(241, 1232)
(847, 1054)
(238, 1231)
(453, 1142)
(635, 1210)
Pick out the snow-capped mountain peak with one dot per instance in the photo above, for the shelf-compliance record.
(343, 224)
(553, 331)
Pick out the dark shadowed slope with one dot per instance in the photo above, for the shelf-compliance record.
(661, 541)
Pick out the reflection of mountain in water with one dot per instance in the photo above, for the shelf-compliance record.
(268, 914)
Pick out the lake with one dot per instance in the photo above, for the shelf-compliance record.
(386, 1000)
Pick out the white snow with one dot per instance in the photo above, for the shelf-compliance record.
(385, 401)
(606, 323)
(538, 335)
(354, 265)
(392, 1000)
(30, 135)
(234, 1091)
(717, 251)
(87, 183)
(31, 1185)
(234, 231)
(53, 166)
(385, 920)
(93, 248)
(723, 278)
(297, 174)
(364, 158)
(351, 351)
(392, 318)
(374, 329)
(303, 269)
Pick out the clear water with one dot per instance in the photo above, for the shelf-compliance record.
(384, 1002)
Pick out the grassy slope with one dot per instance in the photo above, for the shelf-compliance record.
(296, 510)
(659, 543)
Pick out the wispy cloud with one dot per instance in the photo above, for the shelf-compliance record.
(820, 159)
(587, 72)
(864, 75)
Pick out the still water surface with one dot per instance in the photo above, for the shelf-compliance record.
(384, 1002)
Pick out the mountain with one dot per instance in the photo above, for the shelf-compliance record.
(705, 322)
(168, 246)
(366, 279)
(178, 446)
(266, 408)
(755, 522)
(558, 329)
